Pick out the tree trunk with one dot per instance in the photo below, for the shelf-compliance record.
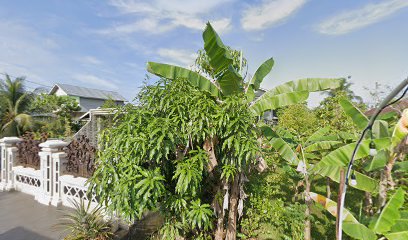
(328, 190)
(308, 227)
(233, 210)
(368, 204)
(388, 169)
(219, 231)
(382, 193)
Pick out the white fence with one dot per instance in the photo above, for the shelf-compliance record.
(47, 184)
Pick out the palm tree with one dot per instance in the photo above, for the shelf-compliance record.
(13, 103)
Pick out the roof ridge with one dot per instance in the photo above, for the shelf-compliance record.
(86, 87)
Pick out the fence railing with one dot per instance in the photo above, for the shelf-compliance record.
(50, 171)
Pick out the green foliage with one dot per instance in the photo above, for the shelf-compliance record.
(160, 142)
(58, 110)
(331, 114)
(110, 103)
(162, 164)
(298, 119)
(14, 101)
(85, 223)
(271, 212)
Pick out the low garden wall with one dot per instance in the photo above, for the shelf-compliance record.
(53, 171)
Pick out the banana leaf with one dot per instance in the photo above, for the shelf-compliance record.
(399, 231)
(378, 161)
(358, 231)
(221, 61)
(350, 224)
(174, 72)
(265, 103)
(400, 130)
(364, 183)
(359, 119)
(323, 145)
(306, 84)
(281, 146)
(401, 166)
(258, 77)
(380, 129)
(318, 135)
(219, 57)
(230, 82)
(383, 223)
(341, 156)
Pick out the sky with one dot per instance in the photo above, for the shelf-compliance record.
(106, 44)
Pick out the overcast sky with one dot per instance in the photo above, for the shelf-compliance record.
(106, 44)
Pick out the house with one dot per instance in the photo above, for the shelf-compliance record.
(87, 98)
(269, 116)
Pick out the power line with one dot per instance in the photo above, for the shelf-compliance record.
(39, 84)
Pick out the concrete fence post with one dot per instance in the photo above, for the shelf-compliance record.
(50, 164)
(8, 157)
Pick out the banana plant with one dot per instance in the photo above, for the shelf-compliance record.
(228, 81)
(224, 83)
(389, 223)
(303, 155)
(388, 155)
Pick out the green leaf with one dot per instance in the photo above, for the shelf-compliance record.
(401, 166)
(403, 235)
(266, 103)
(350, 224)
(341, 156)
(323, 145)
(380, 129)
(399, 231)
(358, 231)
(378, 161)
(307, 84)
(364, 182)
(292, 92)
(390, 213)
(219, 57)
(317, 136)
(174, 72)
(230, 82)
(400, 130)
(359, 119)
(282, 147)
(221, 61)
(331, 207)
(258, 77)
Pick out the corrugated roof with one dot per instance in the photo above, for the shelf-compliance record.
(88, 92)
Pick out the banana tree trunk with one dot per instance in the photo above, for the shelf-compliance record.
(233, 210)
(308, 201)
(368, 204)
(382, 193)
(328, 190)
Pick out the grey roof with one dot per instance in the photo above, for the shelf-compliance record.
(87, 92)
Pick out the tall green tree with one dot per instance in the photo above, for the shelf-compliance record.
(14, 100)
(191, 142)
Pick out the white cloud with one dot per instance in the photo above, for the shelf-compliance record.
(91, 60)
(359, 18)
(96, 81)
(178, 56)
(159, 16)
(269, 13)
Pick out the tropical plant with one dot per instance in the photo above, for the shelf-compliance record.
(85, 223)
(59, 111)
(13, 104)
(195, 137)
(389, 222)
